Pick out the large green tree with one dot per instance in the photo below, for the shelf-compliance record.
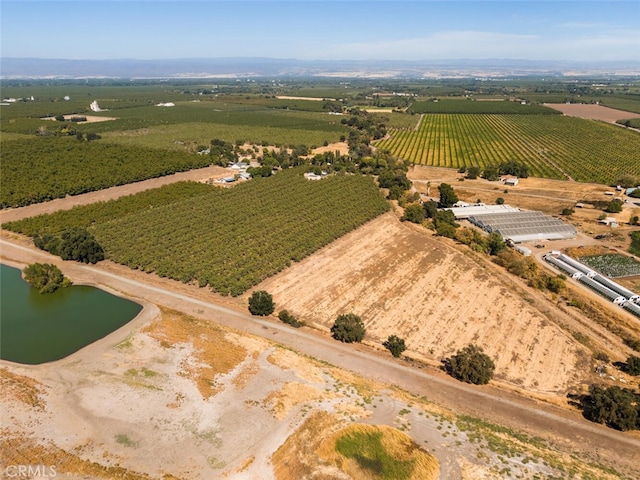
(614, 406)
(413, 213)
(46, 277)
(80, 245)
(447, 196)
(470, 365)
(348, 328)
(261, 303)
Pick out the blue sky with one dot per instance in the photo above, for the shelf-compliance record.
(579, 30)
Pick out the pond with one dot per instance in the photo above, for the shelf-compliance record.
(37, 328)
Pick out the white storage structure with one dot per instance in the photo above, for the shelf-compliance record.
(524, 226)
(632, 307)
(628, 294)
(615, 297)
(581, 267)
(565, 267)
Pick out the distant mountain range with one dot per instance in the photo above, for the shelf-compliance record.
(271, 67)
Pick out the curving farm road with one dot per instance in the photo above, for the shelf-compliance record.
(565, 427)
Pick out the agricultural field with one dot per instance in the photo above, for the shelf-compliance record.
(43, 168)
(228, 239)
(552, 146)
(478, 106)
(612, 265)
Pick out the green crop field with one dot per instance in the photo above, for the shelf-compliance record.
(497, 106)
(229, 239)
(43, 168)
(552, 146)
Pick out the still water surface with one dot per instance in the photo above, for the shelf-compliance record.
(37, 328)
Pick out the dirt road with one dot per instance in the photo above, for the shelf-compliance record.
(565, 427)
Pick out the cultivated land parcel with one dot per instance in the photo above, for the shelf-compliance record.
(230, 395)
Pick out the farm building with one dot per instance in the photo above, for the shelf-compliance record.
(524, 226)
(565, 267)
(470, 210)
(615, 297)
(581, 267)
(511, 182)
(616, 287)
(631, 307)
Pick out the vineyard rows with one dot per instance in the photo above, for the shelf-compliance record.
(552, 146)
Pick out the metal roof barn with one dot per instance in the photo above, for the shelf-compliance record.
(524, 226)
(462, 213)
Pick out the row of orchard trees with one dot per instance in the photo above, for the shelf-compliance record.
(41, 169)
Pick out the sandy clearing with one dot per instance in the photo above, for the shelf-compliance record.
(90, 118)
(314, 99)
(592, 112)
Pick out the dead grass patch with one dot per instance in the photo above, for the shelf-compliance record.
(213, 354)
(379, 452)
(286, 359)
(249, 370)
(17, 450)
(21, 388)
(297, 457)
(290, 395)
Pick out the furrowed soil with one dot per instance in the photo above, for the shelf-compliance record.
(402, 281)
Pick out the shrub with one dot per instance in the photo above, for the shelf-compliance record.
(414, 213)
(615, 206)
(395, 345)
(74, 244)
(289, 319)
(614, 406)
(499, 201)
(348, 328)
(568, 211)
(632, 366)
(470, 365)
(261, 303)
(47, 278)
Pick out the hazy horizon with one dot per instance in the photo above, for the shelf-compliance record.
(426, 31)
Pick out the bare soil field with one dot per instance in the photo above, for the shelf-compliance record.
(89, 118)
(592, 112)
(403, 282)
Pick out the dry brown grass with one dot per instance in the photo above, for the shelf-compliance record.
(17, 450)
(398, 445)
(21, 388)
(212, 352)
(249, 370)
(291, 394)
(297, 457)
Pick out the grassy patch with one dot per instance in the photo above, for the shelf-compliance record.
(125, 440)
(367, 450)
